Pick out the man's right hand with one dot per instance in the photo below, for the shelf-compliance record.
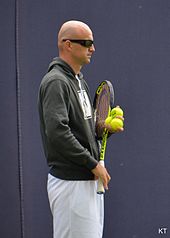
(100, 171)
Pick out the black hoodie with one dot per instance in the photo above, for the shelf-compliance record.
(68, 137)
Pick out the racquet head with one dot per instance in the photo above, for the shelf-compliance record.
(103, 102)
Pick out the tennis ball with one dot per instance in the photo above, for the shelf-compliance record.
(108, 120)
(116, 123)
(116, 111)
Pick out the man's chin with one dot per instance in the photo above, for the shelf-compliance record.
(88, 60)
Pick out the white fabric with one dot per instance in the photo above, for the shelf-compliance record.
(84, 101)
(78, 211)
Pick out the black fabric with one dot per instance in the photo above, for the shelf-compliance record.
(69, 142)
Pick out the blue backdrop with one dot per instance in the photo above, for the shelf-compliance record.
(133, 51)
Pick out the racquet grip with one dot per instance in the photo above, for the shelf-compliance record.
(100, 187)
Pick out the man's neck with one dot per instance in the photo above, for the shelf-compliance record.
(76, 68)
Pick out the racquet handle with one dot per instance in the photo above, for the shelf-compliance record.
(100, 187)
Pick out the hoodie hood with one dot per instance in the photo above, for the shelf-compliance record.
(58, 62)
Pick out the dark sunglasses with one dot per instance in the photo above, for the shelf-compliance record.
(85, 43)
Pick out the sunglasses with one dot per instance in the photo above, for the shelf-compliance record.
(85, 43)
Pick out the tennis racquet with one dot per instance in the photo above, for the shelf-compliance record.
(103, 103)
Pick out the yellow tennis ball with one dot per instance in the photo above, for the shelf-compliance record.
(108, 120)
(116, 111)
(116, 123)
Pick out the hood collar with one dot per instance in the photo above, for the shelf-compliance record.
(58, 61)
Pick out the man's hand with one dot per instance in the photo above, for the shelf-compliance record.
(100, 171)
(119, 115)
(110, 129)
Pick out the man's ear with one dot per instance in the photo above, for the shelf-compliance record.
(68, 44)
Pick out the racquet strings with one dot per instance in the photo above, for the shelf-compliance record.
(102, 109)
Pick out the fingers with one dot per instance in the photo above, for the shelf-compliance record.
(120, 129)
(120, 117)
(110, 129)
(111, 125)
(106, 179)
(100, 171)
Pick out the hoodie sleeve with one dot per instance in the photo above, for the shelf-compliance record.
(55, 104)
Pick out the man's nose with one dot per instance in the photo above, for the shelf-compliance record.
(92, 48)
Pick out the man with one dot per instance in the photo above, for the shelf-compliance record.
(68, 134)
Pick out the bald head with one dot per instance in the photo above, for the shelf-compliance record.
(72, 30)
(75, 53)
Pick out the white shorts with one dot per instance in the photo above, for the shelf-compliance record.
(78, 211)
